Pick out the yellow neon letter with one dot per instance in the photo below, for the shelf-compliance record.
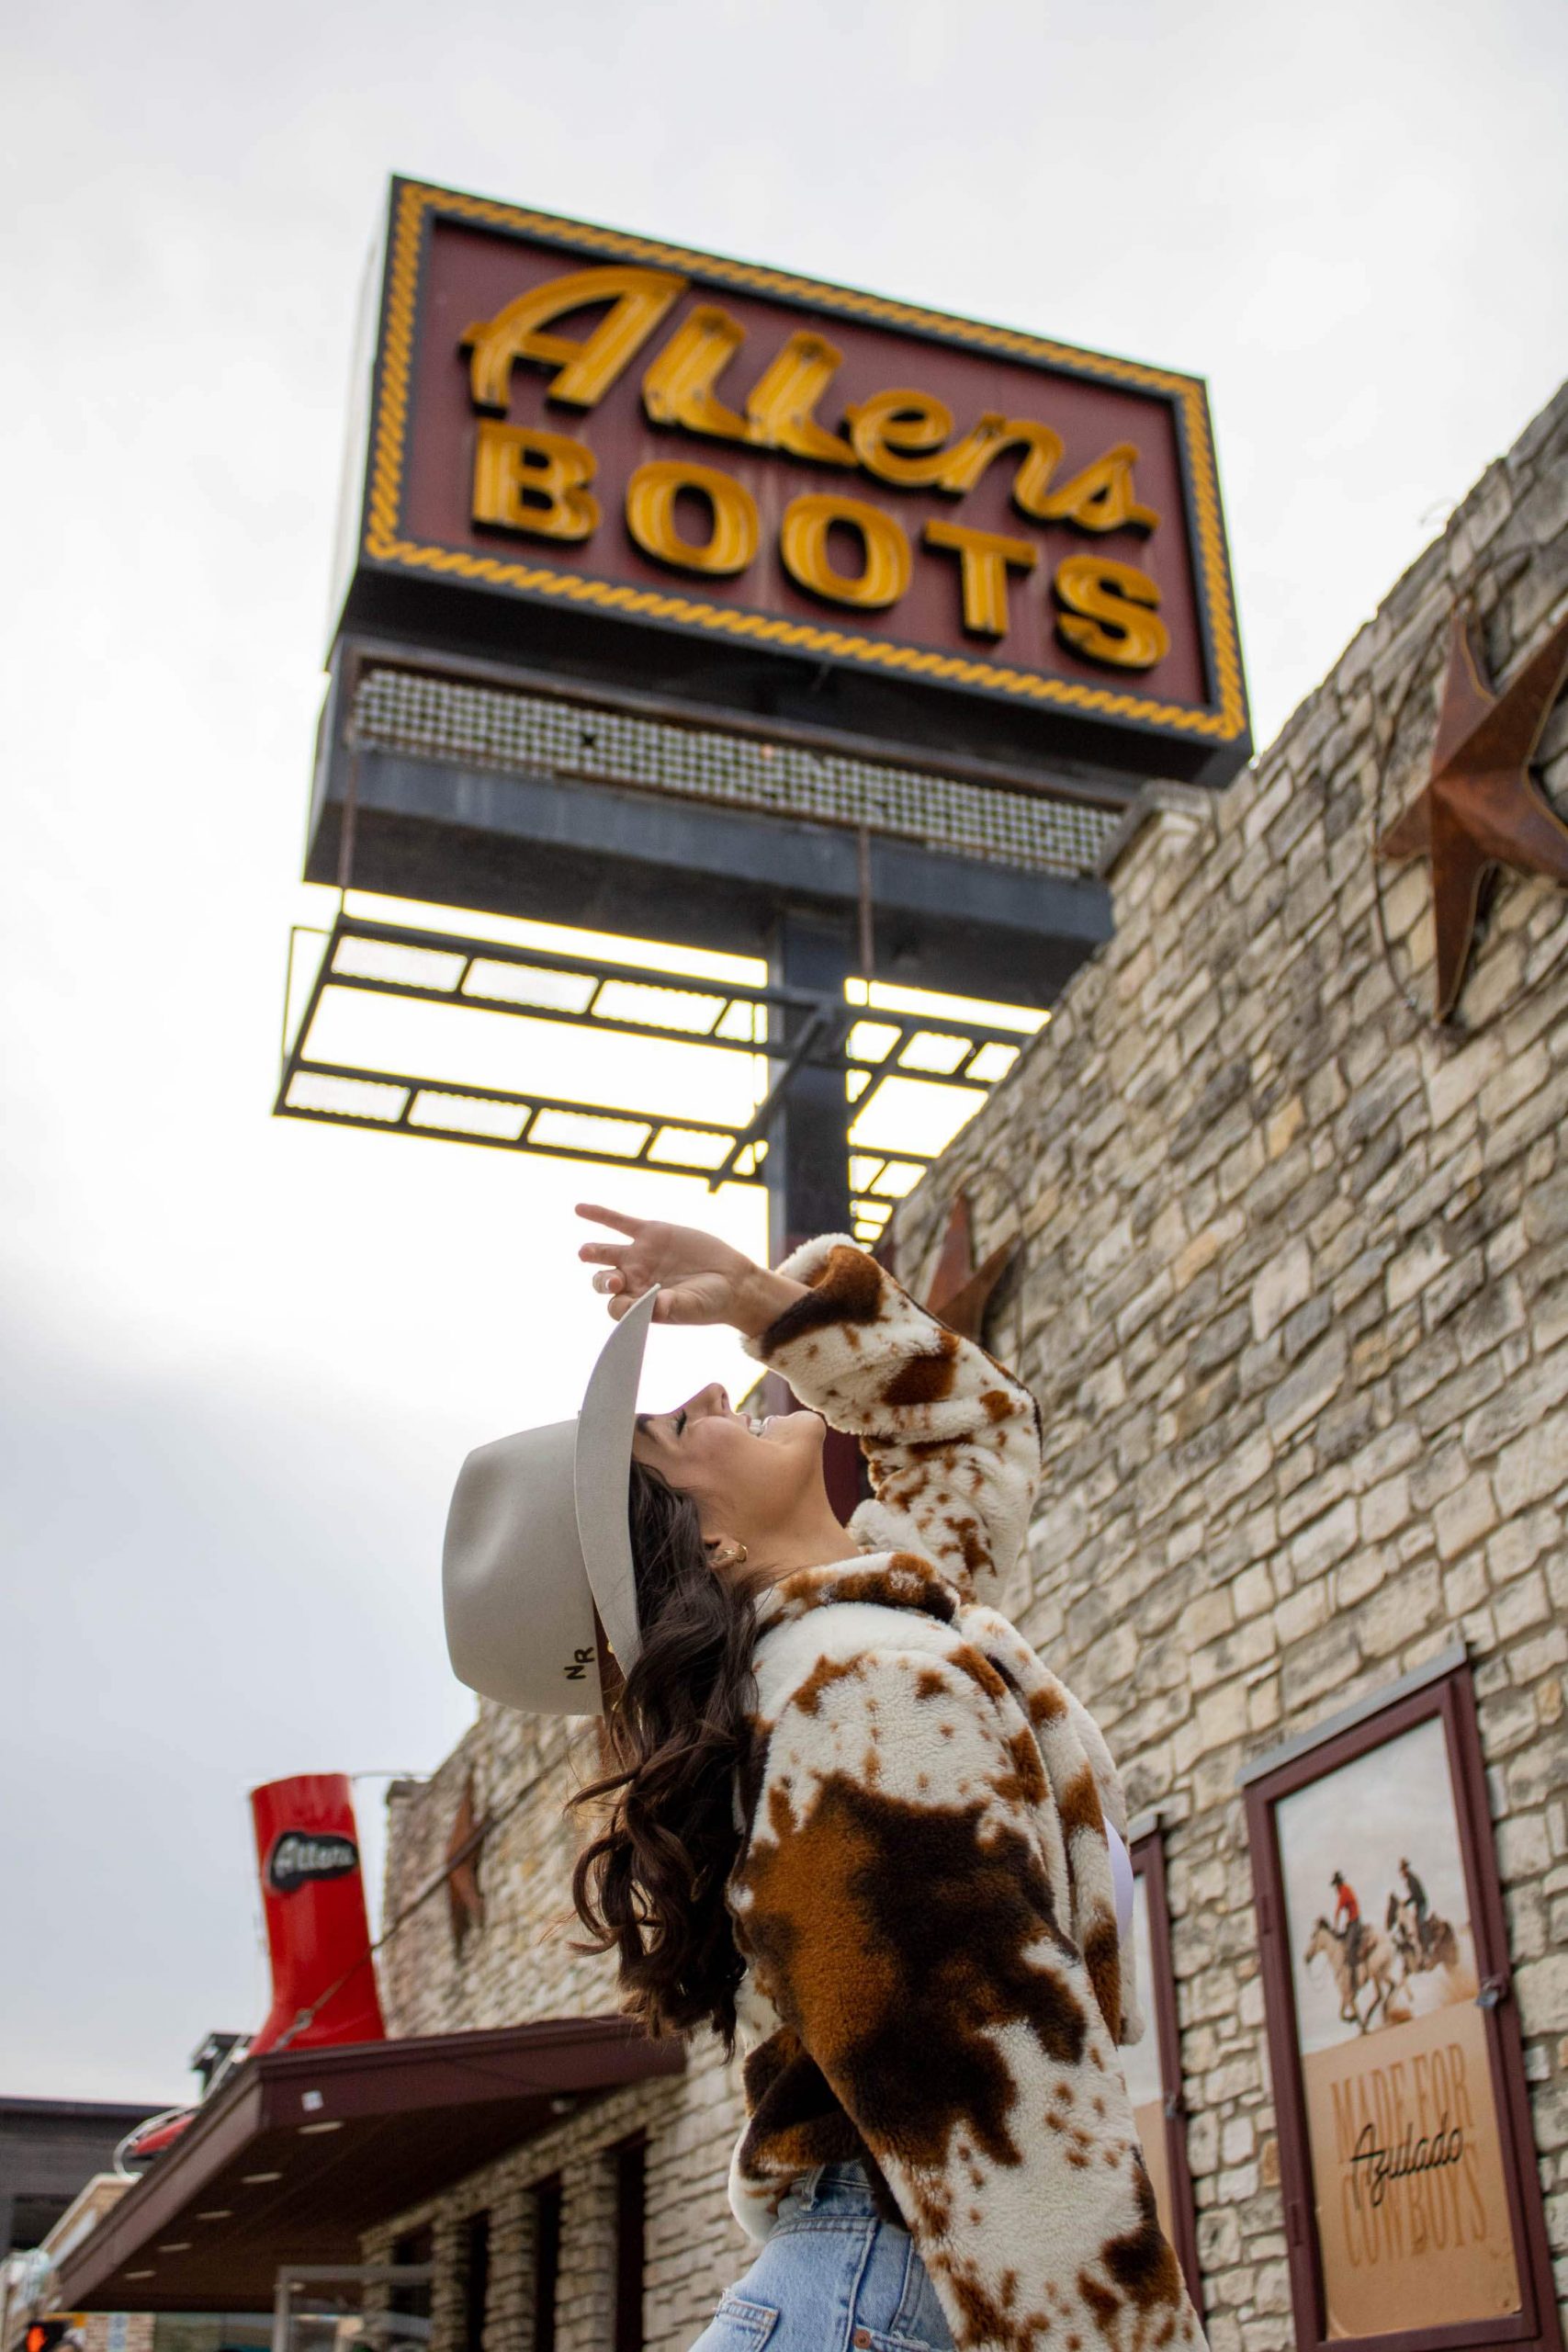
(983, 558)
(889, 429)
(970, 457)
(533, 482)
(1103, 498)
(733, 528)
(779, 412)
(885, 551)
(639, 298)
(1122, 597)
(679, 386)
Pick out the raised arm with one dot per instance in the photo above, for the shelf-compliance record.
(951, 1439)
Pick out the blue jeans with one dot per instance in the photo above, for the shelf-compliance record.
(834, 2276)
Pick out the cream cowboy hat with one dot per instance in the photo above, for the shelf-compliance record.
(538, 1536)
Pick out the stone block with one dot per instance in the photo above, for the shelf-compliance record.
(1253, 1590)
(1307, 1389)
(1324, 1541)
(1516, 1080)
(1467, 1515)
(1257, 1367)
(1325, 1091)
(1540, 1989)
(1221, 1716)
(1455, 1078)
(1453, 1287)
(1320, 1664)
(1399, 1611)
(1520, 1605)
(1543, 1654)
(1316, 1494)
(1506, 1723)
(1263, 1707)
(1534, 1466)
(1546, 1209)
(1523, 1851)
(1464, 1587)
(1495, 1312)
(1506, 1243)
(1520, 1543)
(1384, 1509)
(1531, 1400)
(1395, 1448)
(1301, 1613)
(1440, 1470)
(1307, 1323)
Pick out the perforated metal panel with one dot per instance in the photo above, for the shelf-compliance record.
(443, 718)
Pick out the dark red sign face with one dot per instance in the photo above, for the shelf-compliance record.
(636, 436)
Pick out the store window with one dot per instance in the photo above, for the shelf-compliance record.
(476, 2281)
(353, 2307)
(415, 2246)
(631, 2181)
(547, 2196)
(212, 2332)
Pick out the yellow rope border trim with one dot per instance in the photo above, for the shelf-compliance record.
(384, 545)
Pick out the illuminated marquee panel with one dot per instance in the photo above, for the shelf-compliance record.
(651, 468)
(520, 1046)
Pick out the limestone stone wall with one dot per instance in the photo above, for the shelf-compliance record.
(518, 1967)
(1294, 1301)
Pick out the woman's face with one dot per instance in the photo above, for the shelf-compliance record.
(747, 1480)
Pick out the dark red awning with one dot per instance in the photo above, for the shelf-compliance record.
(302, 2151)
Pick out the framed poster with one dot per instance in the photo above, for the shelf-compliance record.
(1412, 2210)
(1153, 2067)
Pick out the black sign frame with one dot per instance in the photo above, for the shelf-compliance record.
(818, 693)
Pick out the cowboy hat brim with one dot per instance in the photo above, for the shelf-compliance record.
(601, 1476)
(538, 1537)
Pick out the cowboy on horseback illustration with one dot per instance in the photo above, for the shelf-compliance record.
(1416, 1894)
(1422, 1937)
(1348, 1907)
(1374, 1964)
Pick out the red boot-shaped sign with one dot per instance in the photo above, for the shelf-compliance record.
(318, 1935)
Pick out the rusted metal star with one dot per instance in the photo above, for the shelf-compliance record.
(960, 1291)
(1478, 807)
(462, 1859)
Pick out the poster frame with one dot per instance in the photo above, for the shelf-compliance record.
(1147, 1851)
(1445, 1691)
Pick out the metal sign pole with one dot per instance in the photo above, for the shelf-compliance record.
(807, 1166)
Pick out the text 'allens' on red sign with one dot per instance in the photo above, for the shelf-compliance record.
(702, 518)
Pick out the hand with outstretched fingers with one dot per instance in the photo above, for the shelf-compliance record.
(701, 1279)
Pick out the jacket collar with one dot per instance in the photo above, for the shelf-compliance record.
(890, 1579)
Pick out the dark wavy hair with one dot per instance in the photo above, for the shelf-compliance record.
(651, 1885)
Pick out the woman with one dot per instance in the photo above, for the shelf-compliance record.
(856, 1823)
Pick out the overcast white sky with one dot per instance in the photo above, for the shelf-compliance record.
(243, 1358)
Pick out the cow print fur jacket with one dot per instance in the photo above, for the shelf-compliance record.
(923, 1893)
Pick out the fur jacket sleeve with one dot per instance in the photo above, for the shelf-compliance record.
(952, 1441)
(923, 1895)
